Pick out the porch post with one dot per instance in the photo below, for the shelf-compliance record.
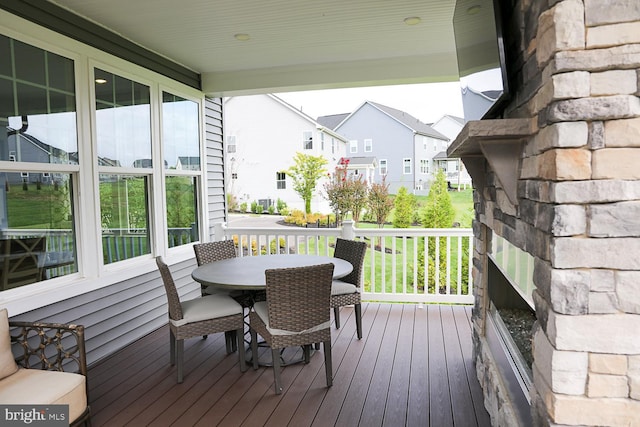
(348, 230)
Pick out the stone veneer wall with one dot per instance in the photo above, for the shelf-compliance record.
(575, 67)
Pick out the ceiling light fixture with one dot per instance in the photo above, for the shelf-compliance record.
(101, 81)
(474, 10)
(243, 37)
(412, 20)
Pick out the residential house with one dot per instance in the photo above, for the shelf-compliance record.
(254, 126)
(403, 146)
(450, 126)
(550, 170)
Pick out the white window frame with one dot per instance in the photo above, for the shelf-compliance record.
(424, 166)
(232, 146)
(307, 140)
(407, 161)
(353, 146)
(383, 167)
(281, 181)
(368, 145)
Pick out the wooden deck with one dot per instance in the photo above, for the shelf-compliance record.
(413, 367)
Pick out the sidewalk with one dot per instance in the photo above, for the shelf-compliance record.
(252, 220)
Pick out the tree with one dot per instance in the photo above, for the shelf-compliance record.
(346, 192)
(305, 174)
(438, 211)
(404, 204)
(379, 202)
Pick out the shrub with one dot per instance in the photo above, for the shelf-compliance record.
(271, 209)
(254, 206)
(259, 209)
(405, 204)
(280, 205)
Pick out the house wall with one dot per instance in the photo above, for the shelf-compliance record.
(119, 303)
(391, 141)
(260, 123)
(573, 65)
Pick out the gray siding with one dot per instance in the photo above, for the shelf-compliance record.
(391, 140)
(121, 313)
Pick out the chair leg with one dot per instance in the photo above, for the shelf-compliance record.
(172, 349)
(328, 362)
(229, 339)
(336, 316)
(306, 349)
(358, 313)
(254, 348)
(179, 358)
(275, 354)
(240, 347)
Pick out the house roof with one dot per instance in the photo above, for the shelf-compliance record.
(332, 121)
(405, 119)
(314, 45)
(359, 161)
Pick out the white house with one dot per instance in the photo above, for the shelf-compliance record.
(450, 126)
(263, 134)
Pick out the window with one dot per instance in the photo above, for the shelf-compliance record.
(322, 141)
(231, 144)
(424, 166)
(123, 131)
(181, 143)
(333, 146)
(406, 166)
(353, 146)
(234, 175)
(368, 145)
(383, 167)
(307, 140)
(281, 180)
(38, 128)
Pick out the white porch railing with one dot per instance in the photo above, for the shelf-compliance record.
(395, 269)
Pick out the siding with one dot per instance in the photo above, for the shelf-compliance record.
(216, 203)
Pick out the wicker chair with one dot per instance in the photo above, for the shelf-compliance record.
(210, 252)
(201, 316)
(296, 313)
(346, 290)
(50, 366)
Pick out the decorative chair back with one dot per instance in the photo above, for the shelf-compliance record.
(354, 252)
(214, 251)
(173, 299)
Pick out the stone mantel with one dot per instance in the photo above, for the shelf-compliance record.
(500, 142)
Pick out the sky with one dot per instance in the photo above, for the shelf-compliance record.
(427, 102)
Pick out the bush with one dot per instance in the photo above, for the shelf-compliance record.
(254, 206)
(243, 207)
(284, 211)
(271, 209)
(280, 205)
(405, 204)
(259, 209)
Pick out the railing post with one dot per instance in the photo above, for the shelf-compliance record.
(348, 230)
(218, 231)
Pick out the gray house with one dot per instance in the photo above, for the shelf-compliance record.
(403, 146)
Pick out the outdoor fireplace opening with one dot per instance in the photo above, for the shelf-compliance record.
(510, 319)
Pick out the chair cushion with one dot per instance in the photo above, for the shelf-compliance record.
(262, 310)
(207, 308)
(342, 288)
(7, 363)
(38, 387)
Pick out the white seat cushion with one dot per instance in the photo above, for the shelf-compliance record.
(262, 310)
(7, 363)
(342, 288)
(37, 387)
(207, 308)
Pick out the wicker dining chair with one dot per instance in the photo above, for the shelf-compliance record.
(346, 290)
(200, 316)
(296, 313)
(210, 252)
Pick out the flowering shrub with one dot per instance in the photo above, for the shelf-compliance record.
(346, 193)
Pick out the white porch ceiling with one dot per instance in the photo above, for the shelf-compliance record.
(293, 45)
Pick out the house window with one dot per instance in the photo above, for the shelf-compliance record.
(333, 146)
(406, 166)
(181, 141)
(123, 131)
(307, 140)
(281, 180)
(234, 175)
(322, 141)
(231, 144)
(424, 166)
(383, 167)
(39, 123)
(368, 145)
(353, 146)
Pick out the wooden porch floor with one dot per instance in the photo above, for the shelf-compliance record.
(413, 367)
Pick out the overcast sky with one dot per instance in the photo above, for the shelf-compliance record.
(426, 102)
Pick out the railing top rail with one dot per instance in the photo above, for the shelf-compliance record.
(464, 232)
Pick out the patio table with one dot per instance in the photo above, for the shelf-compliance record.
(248, 274)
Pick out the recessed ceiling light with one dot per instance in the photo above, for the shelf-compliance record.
(101, 81)
(412, 20)
(243, 37)
(474, 10)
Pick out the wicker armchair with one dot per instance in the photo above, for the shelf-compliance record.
(49, 366)
(201, 316)
(346, 290)
(296, 313)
